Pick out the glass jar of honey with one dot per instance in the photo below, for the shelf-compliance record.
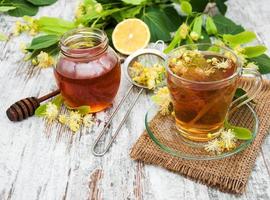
(88, 70)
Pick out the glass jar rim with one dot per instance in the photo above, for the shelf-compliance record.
(237, 62)
(86, 32)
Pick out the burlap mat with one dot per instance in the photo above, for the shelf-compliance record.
(228, 174)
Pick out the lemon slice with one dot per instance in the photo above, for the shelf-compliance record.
(130, 35)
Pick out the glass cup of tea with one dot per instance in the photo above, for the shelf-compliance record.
(202, 80)
(88, 70)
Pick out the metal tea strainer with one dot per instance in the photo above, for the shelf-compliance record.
(148, 57)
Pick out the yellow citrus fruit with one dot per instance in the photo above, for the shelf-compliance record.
(130, 35)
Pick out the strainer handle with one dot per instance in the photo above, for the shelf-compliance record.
(104, 130)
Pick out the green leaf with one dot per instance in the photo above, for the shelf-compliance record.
(43, 41)
(6, 8)
(263, 61)
(186, 7)
(240, 38)
(226, 26)
(22, 8)
(3, 37)
(210, 26)
(176, 40)
(58, 101)
(157, 23)
(197, 27)
(52, 25)
(83, 110)
(241, 133)
(173, 19)
(221, 6)
(52, 50)
(41, 110)
(134, 2)
(128, 13)
(198, 5)
(254, 51)
(42, 2)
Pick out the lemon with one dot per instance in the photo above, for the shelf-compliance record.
(130, 35)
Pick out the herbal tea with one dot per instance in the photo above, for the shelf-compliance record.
(200, 98)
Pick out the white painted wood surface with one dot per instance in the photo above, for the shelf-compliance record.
(48, 162)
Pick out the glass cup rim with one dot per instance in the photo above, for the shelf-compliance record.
(237, 72)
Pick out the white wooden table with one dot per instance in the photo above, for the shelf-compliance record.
(38, 161)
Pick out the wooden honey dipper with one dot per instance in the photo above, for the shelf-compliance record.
(26, 107)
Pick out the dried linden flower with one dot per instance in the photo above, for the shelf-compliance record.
(147, 76)
(51, 112)
(163, 99)
(73, 125)
(44, 60)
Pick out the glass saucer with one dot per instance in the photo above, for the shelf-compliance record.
(176, 145)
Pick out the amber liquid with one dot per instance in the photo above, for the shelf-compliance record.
(89, 82)
(201, 109)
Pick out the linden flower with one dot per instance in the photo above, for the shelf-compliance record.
(88, 121)
(228, 139)
(63, 119)
(19, 28)
(252, 65)
(74, 126)
(194, 36)
(183, 31)
(80, 10)
(44, 60)
(75, 116)
(239, 51)
(213, 146)
(51, 112)
(163, 99)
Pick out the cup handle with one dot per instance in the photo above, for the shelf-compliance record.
(251, 87)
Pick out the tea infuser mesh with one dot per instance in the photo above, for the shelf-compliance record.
(147, 57)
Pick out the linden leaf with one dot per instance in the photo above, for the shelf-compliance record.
(43, 41)
(83, 110)
(42, 2)
(53, 25)
(22, 8)
(41, 110)
(241, 133)
(134, 2)
(58, 100)
(263, 62)
(240, 38)
(254, 51)
(6, 8)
